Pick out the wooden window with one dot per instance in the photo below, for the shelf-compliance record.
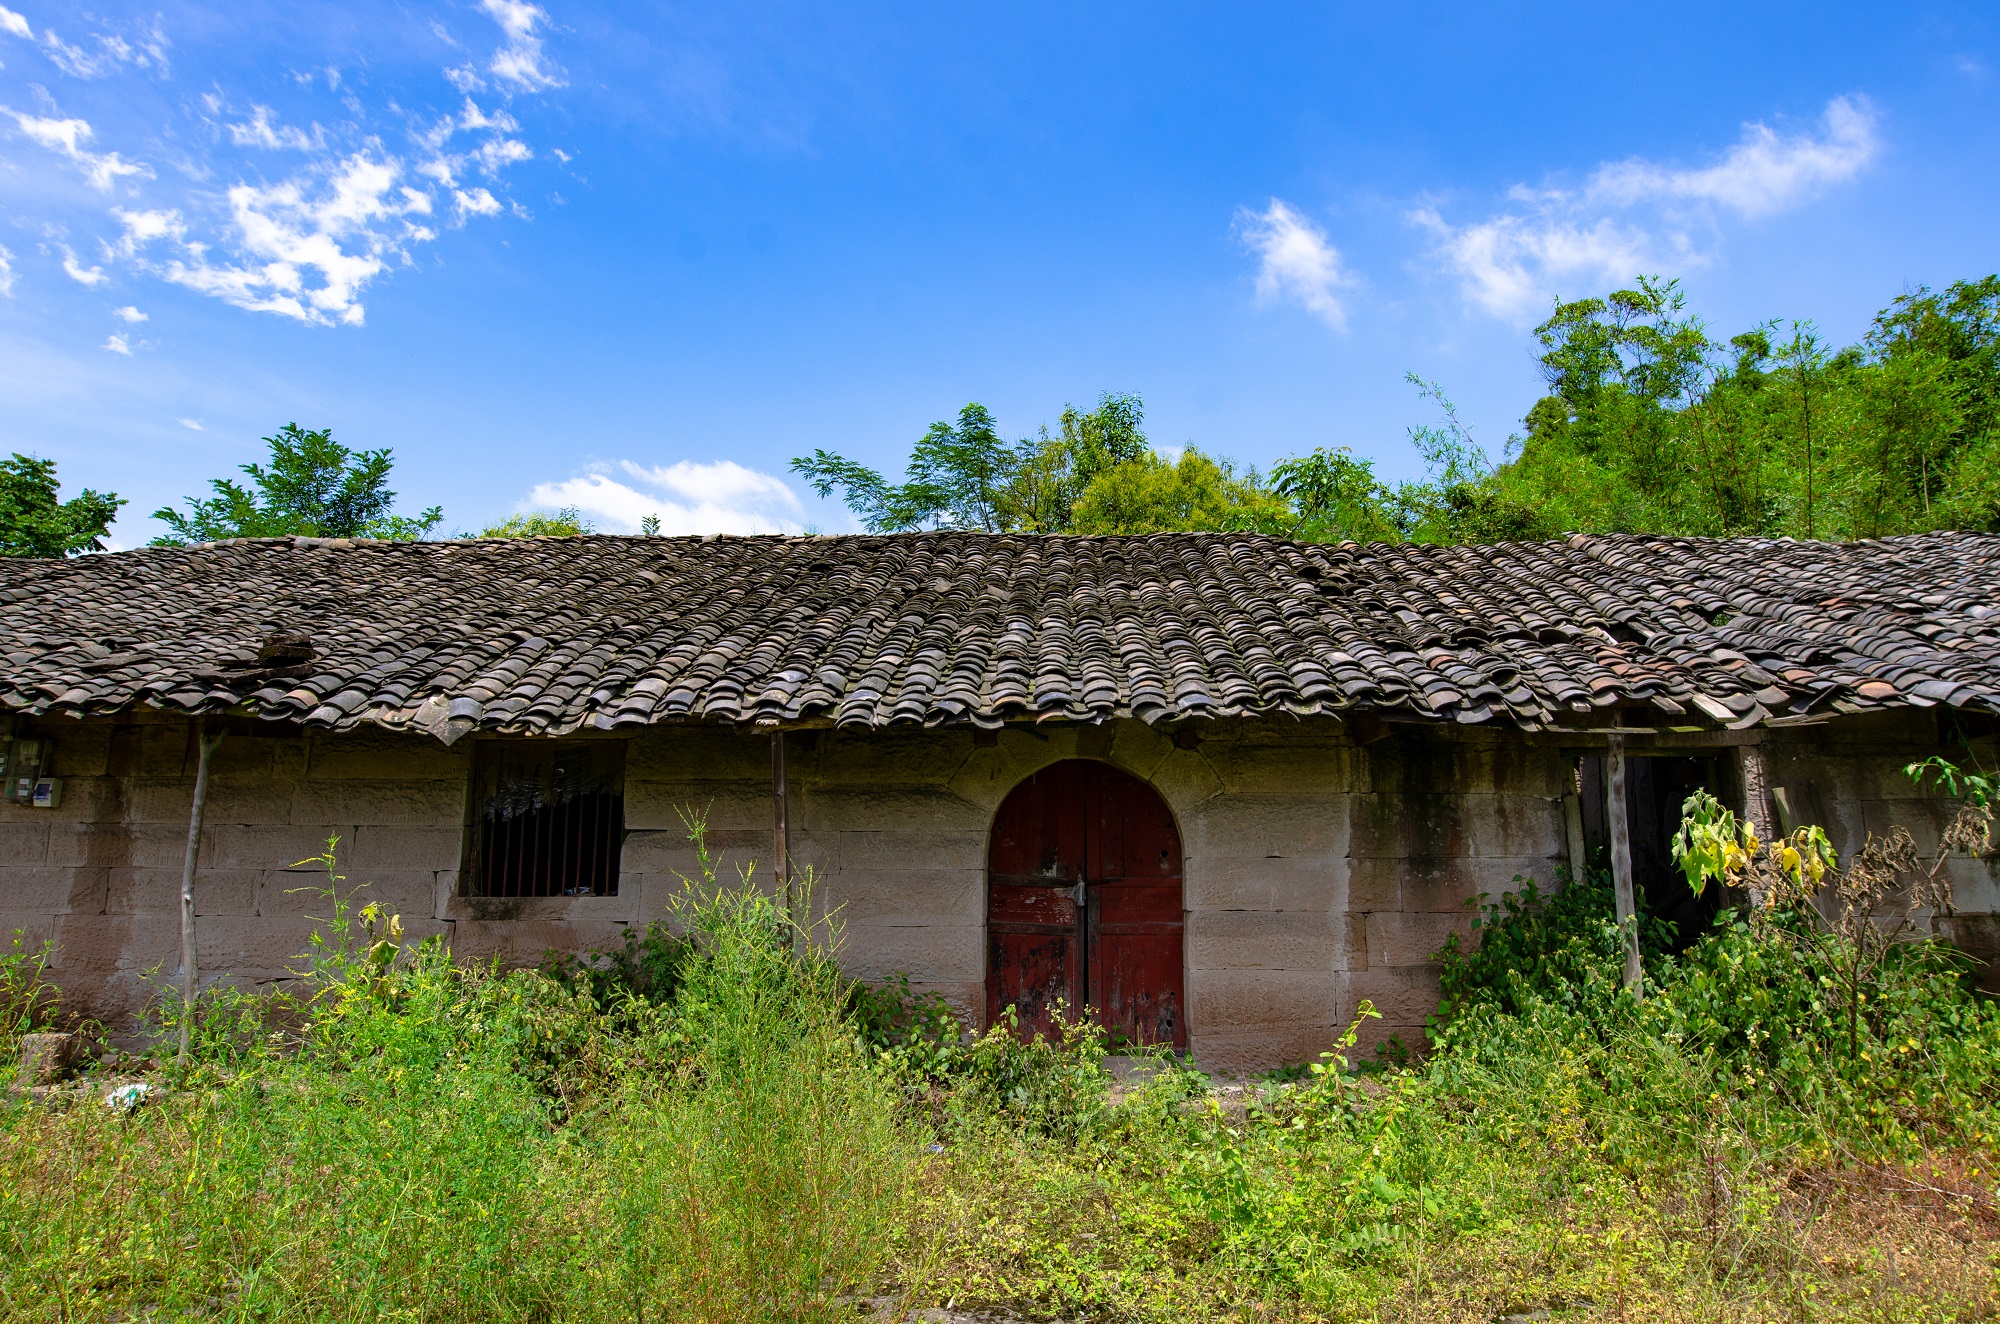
(548, 818)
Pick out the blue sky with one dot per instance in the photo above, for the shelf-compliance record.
(636, 257)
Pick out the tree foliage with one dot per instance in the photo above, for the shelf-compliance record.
(567, 522)
(1651, 425)
(1097, 473)
(312, 486)
(35, 521)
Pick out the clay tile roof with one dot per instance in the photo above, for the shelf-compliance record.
(552, 635)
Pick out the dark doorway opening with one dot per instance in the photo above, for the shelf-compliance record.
(1083, 905)
(1655, 791)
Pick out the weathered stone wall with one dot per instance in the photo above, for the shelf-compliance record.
(1319, 870)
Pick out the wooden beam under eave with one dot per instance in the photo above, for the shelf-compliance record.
(1616, 813)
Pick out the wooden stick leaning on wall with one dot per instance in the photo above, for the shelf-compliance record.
(1615, 811)
(189, 979)
(781, 826)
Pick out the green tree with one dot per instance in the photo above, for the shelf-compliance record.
(965, 475)
(955, 479)
(567, 522)
(312, 486)
(1146, 494)
(34, 521)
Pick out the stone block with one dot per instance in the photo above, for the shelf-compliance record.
(522, 942)
(264, 846)
(144, 845)
(1220, 941)
(1138, 748)
(698, 753)
(45, 887)
(169, 801)
(356, 800)
(1470, 825)
(375, 847)
(151, 890)
(1405, 995)
(930, 953)
(1440, 883)
(24, 837)
(908, 848)
(902, 897)
(1231, 882)
(887, 758)
(891, 808)
(1399, 938)
(1275, 826)
(377, 755)
(665, 853)
(87, 800)
(78, 749)
(30, 929)
(128, 943)
(407, 892)
(1185, 781)
(1256, 1051)
(1237, 1001)
(48, 1058)
(1322, 766)
(726, 806)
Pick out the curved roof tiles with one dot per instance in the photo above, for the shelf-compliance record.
(552, 635)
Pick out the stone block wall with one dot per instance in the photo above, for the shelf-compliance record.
(1318, 871)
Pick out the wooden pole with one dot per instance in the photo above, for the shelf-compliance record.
(1621, 860)
(781, 845)
(188, 971)
(1756, 801)
(1573, 831)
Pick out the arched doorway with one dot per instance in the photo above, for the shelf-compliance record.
(1083, 903)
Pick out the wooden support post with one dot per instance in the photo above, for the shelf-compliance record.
(1621, 860)
(1573, 830)
(189, 977)
(1756, 801)
(781, 826)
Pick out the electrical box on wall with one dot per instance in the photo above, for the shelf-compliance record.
(24, 762)
(48, 793)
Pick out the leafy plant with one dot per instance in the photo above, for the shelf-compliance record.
(34, 521)
(311, 485)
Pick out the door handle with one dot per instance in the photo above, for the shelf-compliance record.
(1078, 894)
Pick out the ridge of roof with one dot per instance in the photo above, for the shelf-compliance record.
(550, 635)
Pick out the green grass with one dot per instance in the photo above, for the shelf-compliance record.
(713, 1125)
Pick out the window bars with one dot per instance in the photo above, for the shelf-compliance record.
(548, 818)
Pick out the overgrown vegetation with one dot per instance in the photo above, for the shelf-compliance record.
(710, 1123)
(1649, 425)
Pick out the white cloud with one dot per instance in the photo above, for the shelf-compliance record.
(520, 61)
(119, 344)
(79, 273)
(479, 202)
(6, 273)
(1634, 215)
(688, 497)
(310, 245)
(129, 314)
(66, 137)
(142, 228)
(304, 240)
(192, 424)
(1295, 261)
(261, 131)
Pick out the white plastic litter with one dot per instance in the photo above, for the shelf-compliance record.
(127, 1098)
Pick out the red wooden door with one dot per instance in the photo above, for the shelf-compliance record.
(1083, 904)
